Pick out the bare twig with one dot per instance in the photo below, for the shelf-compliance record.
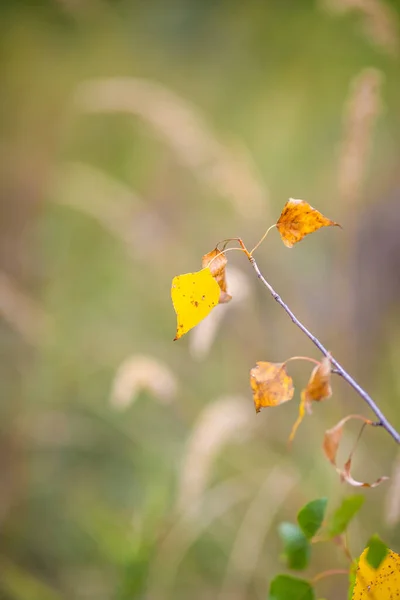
(382, 420)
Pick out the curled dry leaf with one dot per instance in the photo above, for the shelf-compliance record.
(194, 295)
(345, 475)
(377, 584)
(330, 447)
(217, 268)
(319, 385)
(318, 388)
(298, 219)
(271, 384)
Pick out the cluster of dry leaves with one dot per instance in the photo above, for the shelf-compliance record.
(194, 295)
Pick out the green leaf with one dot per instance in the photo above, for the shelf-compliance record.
(311, 516)
(285, 587)
(297, 548)
(344, 514)
(377, 551)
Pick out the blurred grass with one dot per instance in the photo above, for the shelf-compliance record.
(89, 493)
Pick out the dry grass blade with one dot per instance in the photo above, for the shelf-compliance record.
(100, 197)
(225, 420)
(226, 168)
(362, 108)
(137, 373)
(379, 21)
(249, 540)
(195, 519)
(21, 312)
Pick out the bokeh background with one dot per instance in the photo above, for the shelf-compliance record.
(133, 137)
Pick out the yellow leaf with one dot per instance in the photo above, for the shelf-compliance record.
(271, 384)
(194, 295)
(217, 267)
(382, 583)
(298, 219)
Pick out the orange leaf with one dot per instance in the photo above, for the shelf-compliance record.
(298, 219)
(330, 447)
(318, 388)
(217, 268)
(319, 385)
(271, 384)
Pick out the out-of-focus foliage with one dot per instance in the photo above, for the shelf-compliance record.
(135, 136)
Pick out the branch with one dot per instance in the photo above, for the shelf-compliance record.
(382, 420)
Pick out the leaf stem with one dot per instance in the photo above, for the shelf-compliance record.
(328, 573)
(263, 238)
(222, 252)
(357, 440)
(308, 358)
(382, 420)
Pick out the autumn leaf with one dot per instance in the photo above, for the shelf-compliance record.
(319, 384)
(318, 388)
(298, 219)
(345, 475)
(218, 262)
(271, 384)
(302, 412)
(330, 447)
(382, 583)
(194, 295)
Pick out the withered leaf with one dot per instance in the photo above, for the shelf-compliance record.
(271, 384)
(302, 412)
(216, 261)
(298, 219)
(318, 388)
(330, 447)
(345, 475)
(194, 295)
(319, 385)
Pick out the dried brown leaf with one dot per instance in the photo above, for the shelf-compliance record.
(345, 475)
(217, 261)
(271, 384)
(330, 447)
(298, 219)
(319, 386)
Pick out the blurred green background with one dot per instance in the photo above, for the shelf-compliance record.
(134, 136)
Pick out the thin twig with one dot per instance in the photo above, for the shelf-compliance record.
(382, 420)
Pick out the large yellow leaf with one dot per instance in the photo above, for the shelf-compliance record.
(382, 583)
(194, 295)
